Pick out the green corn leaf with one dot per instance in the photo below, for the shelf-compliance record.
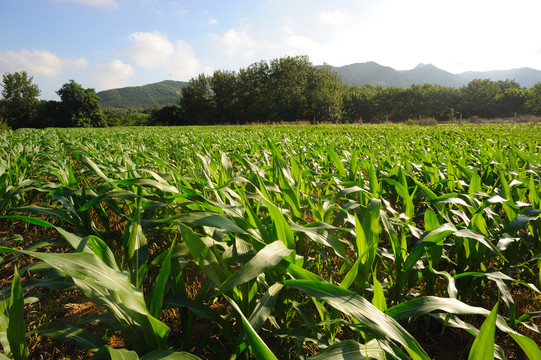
(530, 348)
(483, 346)
(203, 256)
(16, 329)
(201, 310)
(264, 260)
(136, 248)
(260, 349)
(351, 350)
(426, 304)
(169, 355)
(4, 321)
(379, 296)
(158, 291)
(283, 230)
(337, 162)
(354, 305)
(31, 220)
(210, 219)
(122, 354)
(64, 331)
(112, 289)
(264, 307)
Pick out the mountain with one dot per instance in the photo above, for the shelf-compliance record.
(526, 77)
(167, 92)
(375, 74)
(163, 93)
(429, 74)
(371, 73)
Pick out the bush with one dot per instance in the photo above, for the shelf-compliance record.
(423, 122)
(4, 125)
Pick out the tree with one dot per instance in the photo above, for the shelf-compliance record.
(288, 80)
(224, 87)
(197, 101)
(533, 100)
(20, 104)
(80, 107)
(479, 98)
(324, 96)
(255, 100)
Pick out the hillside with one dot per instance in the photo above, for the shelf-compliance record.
(427, 73)
(167, 92)
(371, 73)
(135, 97)
(375, 74)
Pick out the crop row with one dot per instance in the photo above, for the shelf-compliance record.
(279, 242)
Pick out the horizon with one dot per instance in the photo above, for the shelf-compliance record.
(108, 44)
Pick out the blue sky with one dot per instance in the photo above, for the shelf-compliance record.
(105, 44)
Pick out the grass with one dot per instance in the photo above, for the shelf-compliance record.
(271, 242)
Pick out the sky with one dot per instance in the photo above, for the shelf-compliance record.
(104, 44)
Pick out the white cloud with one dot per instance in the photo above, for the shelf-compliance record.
(236, 43)
(154, 50)
(337, 17)
(38, 62)
(108, 4)
(113, 75)
(150, 49)
(211, 20)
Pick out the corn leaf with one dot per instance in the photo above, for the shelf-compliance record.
(260, 349)
(483, 346)
(264, 260)
(361, 309)
(16, 329)
(64, 331)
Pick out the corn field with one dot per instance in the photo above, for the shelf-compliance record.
(283, 242)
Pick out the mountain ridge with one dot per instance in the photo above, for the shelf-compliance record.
(167, 92)
(354, 74)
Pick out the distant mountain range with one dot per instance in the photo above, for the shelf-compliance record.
(164, 93)
(375, 74)
(167, 92)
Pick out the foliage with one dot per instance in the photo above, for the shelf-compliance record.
(20, 100)
(533, 100)
(79, 107)
(164, 93)
(274, 242)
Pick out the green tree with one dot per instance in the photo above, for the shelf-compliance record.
(358, 102)
(289, 78)
(532, 104)
(511, 98)
(225, 88)
(323, 96)
(20, 102)
(80, 107)
(254, 93)
(197, 102)
(479, 98)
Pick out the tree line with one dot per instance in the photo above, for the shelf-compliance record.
(292, 89)
(288, 89)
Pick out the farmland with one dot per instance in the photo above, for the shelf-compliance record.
(320, 242)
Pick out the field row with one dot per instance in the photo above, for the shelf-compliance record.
(335, 242)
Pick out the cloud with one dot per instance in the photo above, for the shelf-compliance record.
(150, 49)
(239, 44)
(113, 75)
(154, 50)
(337, 17)
(210, 19)
(38, 62)
(108, 4)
